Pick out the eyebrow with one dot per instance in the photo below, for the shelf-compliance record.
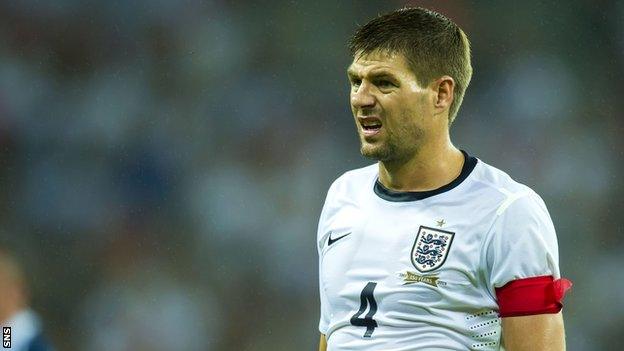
(380, 73)
(351, 73)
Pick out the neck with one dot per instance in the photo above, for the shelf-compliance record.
(430, 167)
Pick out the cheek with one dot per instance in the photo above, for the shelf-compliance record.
(353, 109)
(403, 115)
(413, 110)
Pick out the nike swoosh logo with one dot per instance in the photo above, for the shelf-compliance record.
(331, 241)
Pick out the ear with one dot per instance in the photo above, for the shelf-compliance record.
(444, 88)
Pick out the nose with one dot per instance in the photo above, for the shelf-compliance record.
(362, 97)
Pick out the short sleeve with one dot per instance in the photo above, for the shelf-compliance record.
(328, 209)
(522, 242)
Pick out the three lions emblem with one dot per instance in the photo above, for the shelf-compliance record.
(431, 248)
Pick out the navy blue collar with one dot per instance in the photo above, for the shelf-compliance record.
(402, 196)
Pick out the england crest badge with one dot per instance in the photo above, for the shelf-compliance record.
(431, 248)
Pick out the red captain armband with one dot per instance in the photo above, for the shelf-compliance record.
(529, 296)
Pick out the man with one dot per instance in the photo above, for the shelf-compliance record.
(430, 248)
(25, 333)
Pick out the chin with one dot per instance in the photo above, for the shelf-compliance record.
(385, 152)
(377, 153)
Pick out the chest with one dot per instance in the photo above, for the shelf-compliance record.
(425, 249)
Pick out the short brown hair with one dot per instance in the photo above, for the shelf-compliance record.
(432, 44)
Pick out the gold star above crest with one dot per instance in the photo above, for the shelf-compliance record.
(441, 222)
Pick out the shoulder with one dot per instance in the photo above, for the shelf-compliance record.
(344, 194)
(493, 178)
(347, 189)
(500, 185)
(353, 180)
(520, 213)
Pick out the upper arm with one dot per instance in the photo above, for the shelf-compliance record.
(522, 259)
(542, 332)
(522, 242)
(327, 212)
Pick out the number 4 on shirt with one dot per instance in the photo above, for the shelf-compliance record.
(366, 298)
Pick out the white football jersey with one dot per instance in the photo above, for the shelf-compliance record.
(418, 270)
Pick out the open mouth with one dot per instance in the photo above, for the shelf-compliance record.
(370, 125)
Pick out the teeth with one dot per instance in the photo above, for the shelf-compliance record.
(371, 124)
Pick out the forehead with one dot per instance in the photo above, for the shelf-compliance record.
(379, 60)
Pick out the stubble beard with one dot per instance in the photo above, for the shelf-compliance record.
(384, 152)
(395, 148)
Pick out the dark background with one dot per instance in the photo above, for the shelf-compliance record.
(163, 163)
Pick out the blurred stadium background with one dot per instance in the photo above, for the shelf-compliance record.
(163, 163)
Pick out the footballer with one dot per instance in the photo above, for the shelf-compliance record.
(430, 248)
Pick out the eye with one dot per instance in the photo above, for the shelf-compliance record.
(355, 82)
(384, 83)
